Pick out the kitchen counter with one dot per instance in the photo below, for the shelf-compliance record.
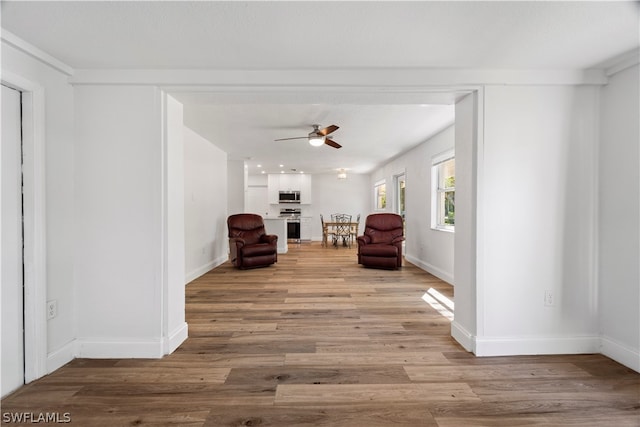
(278, 226)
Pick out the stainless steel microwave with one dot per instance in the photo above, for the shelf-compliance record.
(289, 197)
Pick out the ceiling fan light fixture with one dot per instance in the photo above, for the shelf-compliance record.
(316, 140)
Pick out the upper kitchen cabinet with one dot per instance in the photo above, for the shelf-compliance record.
(273, 188)
(289, 182)
(305, 189)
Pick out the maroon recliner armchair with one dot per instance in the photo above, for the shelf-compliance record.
(381, 244)
(249, 245)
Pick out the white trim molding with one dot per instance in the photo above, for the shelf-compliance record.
(514, 346)
(447, 276)
(622, 62)
(463, 337)
(123, 348)
(29, 49)
(58, 358)
(622, 354)
(175, 338)
(34, 206)
(409, 79)
(194, 274)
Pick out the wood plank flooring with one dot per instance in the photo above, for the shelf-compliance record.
(317, 340)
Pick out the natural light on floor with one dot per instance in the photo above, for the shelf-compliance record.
(440, 302)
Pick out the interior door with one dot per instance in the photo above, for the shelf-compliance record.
(12, 242)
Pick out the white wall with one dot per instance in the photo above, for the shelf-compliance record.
(236, 186)
(118, 221)
(58, 202)
(537, 220)
(618, 219)
(174, 325)
(258, 197)
(332, 195)
(429, 249)
(205, 190)
(468, 298)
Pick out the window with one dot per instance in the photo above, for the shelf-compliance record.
(381, 195)
(443, 176)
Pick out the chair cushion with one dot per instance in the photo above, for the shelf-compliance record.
(380, 262)
(383, 236)
(379, 250)
(250, 237)
(258, 250)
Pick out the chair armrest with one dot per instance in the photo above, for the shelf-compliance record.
(364, 240)
(397, 239)
(235, 248)
(272, 239)
(238, 242)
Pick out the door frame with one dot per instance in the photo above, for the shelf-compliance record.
(34, 218)
(396, 202)
(396, 187)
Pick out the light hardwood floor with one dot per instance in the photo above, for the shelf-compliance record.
(317, 340)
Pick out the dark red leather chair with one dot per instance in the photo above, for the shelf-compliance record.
(381, 244)
(249, 245)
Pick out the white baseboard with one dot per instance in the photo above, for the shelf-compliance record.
(194, 274)
(96, 348)
(464, 338)
(62, 356)
(518, 346)
(439, 273)
(514, 346)
(622, 354)
(176, 338)
(100, 348)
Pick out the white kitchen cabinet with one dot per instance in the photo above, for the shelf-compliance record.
(305, 189)
(289, 182)
(305, 227)
(273, 188)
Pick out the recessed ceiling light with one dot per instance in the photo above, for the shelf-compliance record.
(259, 166)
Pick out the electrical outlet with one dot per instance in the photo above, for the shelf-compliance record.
(549, 298)
(52, 309)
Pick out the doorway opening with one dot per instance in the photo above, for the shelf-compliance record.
(12, 266)
(400, 184)
(30, 126)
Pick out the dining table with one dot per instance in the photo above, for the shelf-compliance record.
(345, 231)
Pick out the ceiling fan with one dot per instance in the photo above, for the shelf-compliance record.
(317, 137)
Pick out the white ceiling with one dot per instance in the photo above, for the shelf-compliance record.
(324, 35)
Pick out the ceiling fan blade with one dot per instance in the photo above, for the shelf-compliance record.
(332, 143)
(326, 131)
(288, 139)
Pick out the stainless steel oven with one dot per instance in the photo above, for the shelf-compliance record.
(292, 215)
(293, 229)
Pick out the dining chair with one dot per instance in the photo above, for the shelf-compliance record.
(342, 230)
(354, 229)
(326, 232)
